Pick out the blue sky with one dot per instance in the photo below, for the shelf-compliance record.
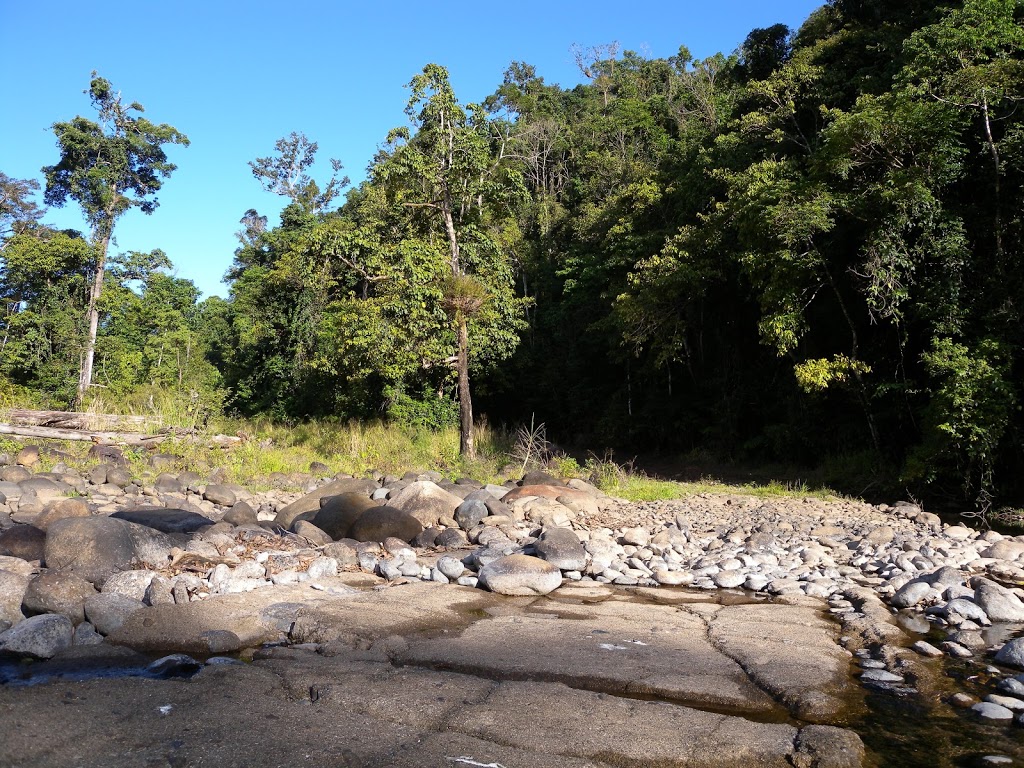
(235, 77)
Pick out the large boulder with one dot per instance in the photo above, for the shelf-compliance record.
(165, 520)
(311, 501)
(56, 592)
(426, 501)
(562, 548)
(379, 523)
(520, 575)
(998, 603)
(40, 636)
(337, 514)
(58, 509)
(107, 612)
(220, 494)
(24, 541)
(97, 547)
(12, 592)
(580, 500)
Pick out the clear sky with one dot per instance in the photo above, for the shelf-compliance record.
(235, 77)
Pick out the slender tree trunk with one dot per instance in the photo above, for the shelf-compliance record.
(467, 448)
(995, 161)
(85, 377)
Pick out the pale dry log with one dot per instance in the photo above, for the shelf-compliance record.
(70, 420)
(124, 438)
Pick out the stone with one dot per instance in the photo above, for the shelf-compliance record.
(378, 523)
(825, 746)
(450, 567)
(58, 509)
(322, 567)
(539, 477)
(879, 536)
(451, 538)
(12, 592)
(470, 512)
(339, 513)
(108, 611)
(131, 584)
(729, 579)
(24, 541)
(582, 499)
(164, 520)
(311, 501)
(520, 575)
(990, 711)
(97, 547)
(1010, 702)
(221, 495)
(998, 603)
(241, 513)
(118, 477)
(61, 593)
(967, 609)
(426, 502)
(911, 594)
(1012, 653)
(1007, 549)
(880, 676)
(28, 456)
(86, 634)
(562, 548)
(636, 536)
(344, 554)
(926, 649)
(14, 474)
(315, 536)
(41, 637)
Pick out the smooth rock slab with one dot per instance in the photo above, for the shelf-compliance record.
(444, 719)
(790, 651)
(521, 575)
(658, 650)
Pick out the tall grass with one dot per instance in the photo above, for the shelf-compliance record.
(276, 454)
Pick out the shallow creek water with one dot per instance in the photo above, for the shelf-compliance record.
(899, 728)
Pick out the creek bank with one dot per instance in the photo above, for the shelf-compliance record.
(177, 564)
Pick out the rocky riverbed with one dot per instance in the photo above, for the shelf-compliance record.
(174, 619)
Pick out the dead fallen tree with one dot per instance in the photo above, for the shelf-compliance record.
(53, 433)
(23, 417)
(102, 429)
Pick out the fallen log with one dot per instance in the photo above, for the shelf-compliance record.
(23, 417)
(123, 438)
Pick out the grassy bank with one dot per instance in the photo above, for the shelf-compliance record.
(271, 453)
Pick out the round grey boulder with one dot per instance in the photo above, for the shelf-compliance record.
(39, 636)
(379, 523)
(520, 575)
(109, 611)
(562, 548)
(56, 592)
(1012, 653)
(24, 541)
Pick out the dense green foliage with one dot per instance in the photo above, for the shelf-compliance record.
(807, 251)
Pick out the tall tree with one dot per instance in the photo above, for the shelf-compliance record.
(455, 171)
(18, 210)
(108, 167)
(286, 173)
